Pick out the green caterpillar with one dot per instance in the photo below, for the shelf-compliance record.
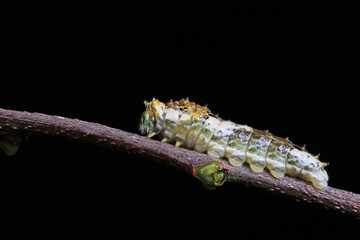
(194, 127)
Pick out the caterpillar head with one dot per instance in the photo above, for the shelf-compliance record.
(152, 118)
(147, 122)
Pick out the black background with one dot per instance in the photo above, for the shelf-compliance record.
(292, 69)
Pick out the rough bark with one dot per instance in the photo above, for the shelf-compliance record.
(15, 124)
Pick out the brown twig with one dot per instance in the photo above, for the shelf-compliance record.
(16, 123)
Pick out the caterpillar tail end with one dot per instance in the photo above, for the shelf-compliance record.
(320, 185)
(211, 175)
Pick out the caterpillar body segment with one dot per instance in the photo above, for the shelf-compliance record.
(194, 127)
(276, 157)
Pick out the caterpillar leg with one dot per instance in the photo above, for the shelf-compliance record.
(236, 161)
(278, 172)
(215, 153)
(257, 164)
(151, 135)
(320, 185)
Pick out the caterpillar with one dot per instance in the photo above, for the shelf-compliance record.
(193, 126)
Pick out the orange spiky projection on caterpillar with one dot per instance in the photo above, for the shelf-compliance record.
(194, 127)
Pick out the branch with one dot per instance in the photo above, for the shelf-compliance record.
(14, 125)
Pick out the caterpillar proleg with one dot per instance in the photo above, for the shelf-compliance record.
(193, 126)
